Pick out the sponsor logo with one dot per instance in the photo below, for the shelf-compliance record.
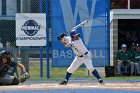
(30, 27)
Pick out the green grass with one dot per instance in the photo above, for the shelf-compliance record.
(58, 73)
(123, 78)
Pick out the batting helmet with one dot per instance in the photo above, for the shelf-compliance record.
(74, 33)
(5, 53)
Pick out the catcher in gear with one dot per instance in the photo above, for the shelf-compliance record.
(7, 69)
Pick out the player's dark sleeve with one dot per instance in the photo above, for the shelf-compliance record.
(13, 64)
(4, 69)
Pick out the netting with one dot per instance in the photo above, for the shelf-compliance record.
(45, 62)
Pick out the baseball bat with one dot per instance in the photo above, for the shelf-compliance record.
(77, 26)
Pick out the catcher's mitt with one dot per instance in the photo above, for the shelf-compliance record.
(24, 76)
(4, 69)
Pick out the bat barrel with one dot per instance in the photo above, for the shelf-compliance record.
(79, 25)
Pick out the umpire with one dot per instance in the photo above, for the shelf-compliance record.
(7, 69)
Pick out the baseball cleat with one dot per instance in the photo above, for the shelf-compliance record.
(63, 83)
(101, 82)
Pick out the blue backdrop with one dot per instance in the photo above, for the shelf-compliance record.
(68, 13)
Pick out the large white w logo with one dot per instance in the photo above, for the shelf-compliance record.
(81, 10)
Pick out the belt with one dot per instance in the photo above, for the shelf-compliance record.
(83, 55)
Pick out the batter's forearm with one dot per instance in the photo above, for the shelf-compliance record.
(64, 43)
(68, 45)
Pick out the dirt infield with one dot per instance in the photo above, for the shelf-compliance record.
(78, 85)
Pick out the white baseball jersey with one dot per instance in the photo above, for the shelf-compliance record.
(77, 46)
(79, 49)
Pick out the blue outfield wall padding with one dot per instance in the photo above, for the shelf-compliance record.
(68, 13)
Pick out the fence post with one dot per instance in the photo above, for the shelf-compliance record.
(108, 30)
(41, 50)
(47, 42)
(41, 62)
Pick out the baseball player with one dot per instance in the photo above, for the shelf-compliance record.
(7, 69)
(123, 58)
(82, 55)
(136, 59)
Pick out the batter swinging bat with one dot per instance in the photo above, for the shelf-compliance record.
(77, 26)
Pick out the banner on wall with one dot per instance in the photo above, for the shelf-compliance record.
(68, 13)
(31, 29)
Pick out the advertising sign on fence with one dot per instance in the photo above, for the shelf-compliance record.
(31, 29)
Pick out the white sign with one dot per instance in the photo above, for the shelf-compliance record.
(31, 29)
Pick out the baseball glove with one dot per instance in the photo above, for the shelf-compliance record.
(4, 69)
(24, 76)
